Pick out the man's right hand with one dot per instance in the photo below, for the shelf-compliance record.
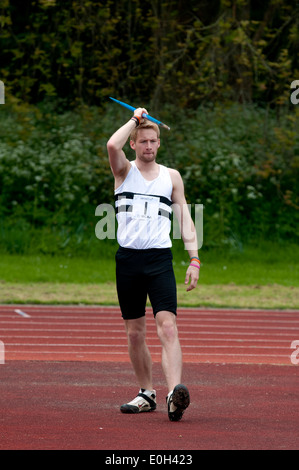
(138, 113)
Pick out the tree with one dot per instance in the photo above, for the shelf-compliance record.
(185, 53)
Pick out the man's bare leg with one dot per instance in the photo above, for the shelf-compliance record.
(172, 363)
(139, 352)
(178, 398)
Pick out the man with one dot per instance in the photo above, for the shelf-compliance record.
(145, 193)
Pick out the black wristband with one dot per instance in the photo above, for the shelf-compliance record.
(134, 118)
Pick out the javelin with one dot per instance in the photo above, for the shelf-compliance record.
(145, 116)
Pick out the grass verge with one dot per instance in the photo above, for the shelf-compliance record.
(253, 278)
(228, 295)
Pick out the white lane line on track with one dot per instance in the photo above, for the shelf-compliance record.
(182, 325)
(186, 321)
(110, 353)
(152, 346)
(197, 333)
(149, 338)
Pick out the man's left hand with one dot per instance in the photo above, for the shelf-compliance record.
(192, 276)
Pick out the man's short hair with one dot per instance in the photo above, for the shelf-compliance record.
(145, 125)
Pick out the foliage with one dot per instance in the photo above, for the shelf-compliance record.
(52, 165)
(218, 72)
(241, 162)
(184, 53)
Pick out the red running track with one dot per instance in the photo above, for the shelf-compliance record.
(67, 371)
(87, 333)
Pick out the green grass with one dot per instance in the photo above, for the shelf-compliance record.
(264, 276)
(44, 268)
(263, 265)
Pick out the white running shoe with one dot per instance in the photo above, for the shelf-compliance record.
(145, 401)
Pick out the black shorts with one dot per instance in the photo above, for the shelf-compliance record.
(142, 273)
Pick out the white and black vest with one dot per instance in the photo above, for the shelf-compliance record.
(143, 210)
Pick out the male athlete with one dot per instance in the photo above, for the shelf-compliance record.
(145, 193)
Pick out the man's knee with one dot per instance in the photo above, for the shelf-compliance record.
(135, 332)
(166, 327)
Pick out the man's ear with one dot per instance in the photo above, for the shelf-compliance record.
(132, 144)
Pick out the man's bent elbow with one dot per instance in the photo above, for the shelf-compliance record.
(111, 147)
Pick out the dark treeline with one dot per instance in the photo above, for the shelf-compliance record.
(219, 72)
(181, 52)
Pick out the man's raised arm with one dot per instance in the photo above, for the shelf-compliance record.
(117, 158)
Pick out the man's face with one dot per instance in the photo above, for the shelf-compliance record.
(146, 145)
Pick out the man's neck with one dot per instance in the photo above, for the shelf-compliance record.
(146, 166)
(150, 170)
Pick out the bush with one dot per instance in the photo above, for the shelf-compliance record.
(53, 167)
(241, 162)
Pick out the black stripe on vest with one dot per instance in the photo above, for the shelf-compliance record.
(128, 195)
